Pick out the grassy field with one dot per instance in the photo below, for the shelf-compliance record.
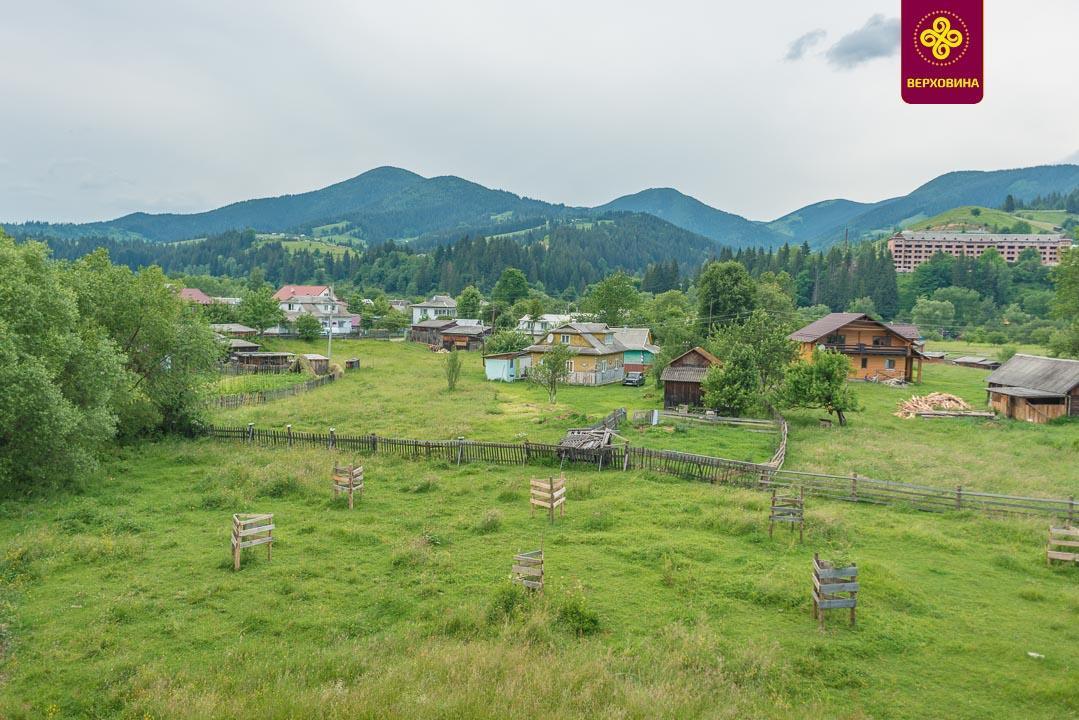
(956, 348)
(665, 598)
(236, 384)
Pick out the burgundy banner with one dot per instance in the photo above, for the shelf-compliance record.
(942, 46)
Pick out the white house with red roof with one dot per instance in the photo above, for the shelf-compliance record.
(316, 300)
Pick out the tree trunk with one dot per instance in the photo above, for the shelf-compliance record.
(842, 418)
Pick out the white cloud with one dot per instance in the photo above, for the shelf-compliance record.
(878, 38)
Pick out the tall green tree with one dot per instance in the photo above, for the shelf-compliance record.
(934, 317)
(308, 327)
(170, 352)
(469, 302)
(512, 286)
(451, 364)
(732, 387)
(612, 300)
(1065, 276)
(725, 293)
(259, 309)
(760, 344)
(60, 375)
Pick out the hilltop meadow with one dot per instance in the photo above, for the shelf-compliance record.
(664, 596)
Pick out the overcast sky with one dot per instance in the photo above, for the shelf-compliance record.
(754, 107)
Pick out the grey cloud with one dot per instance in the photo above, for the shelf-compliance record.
(802, 44)
(1072, 159)
(879, 37)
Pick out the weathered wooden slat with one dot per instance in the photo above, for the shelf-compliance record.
(528, 570)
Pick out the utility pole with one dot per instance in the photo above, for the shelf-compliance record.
(329, 335)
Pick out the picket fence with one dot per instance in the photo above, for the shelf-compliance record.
(762, 476)
(264, 396)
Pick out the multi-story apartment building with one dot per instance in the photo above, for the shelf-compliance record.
(911, 249)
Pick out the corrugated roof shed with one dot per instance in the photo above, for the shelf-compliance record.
(1052, 375)
(683, 374)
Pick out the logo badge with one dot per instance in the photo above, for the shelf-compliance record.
(942, 51)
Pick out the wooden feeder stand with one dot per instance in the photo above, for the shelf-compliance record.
(528, 569)
(833, 588)
(1059, 539)
(549, 494)
(347, 479)
(788, 509)
(251, 530)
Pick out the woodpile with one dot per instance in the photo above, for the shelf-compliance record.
(930, 403)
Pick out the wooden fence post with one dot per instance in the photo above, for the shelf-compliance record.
(958, 497)
(854, 487)
(1071, 510)
(333, 439)
(250, 432)
(460, 448)
(288, 434)
(427, 450)
(528, 452)
(374, 443)
(625, 458)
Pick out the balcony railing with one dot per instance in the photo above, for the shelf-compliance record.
(863, 349)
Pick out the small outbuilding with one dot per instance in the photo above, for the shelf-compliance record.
(683, 376)
(465, 337)
(976, 361)
(262, 360)
(507, 366)
(1035, 388)
(237, 345)
(320, 364)
(429, 332)
(233, 329)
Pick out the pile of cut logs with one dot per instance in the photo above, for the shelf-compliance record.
(930, 403)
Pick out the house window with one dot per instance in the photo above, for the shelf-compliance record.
(569, 366)
(865, 363)
(836, 340)
(889, 364)
(565, 339)
(881, 341)
(601, 365)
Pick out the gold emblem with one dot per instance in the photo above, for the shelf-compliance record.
(941, 38)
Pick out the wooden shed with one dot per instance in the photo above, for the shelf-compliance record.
(264, 359)
(465, 337)
(682, 377)
(1035, 389)
(320, 364)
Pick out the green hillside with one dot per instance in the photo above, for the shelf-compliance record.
(971, 218)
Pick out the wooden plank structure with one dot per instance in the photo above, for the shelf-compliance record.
(788, 509)
(548, 493)
(833, 588)
(1063, 545)
(347, 479)
(528, 569)
(251, 530)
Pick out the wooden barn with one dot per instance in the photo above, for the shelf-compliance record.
(1034, 388)
(262, 360)
(465, 337)
(682, 377)
(429, 332)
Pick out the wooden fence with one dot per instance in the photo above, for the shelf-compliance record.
(264, 396)
(762, 476)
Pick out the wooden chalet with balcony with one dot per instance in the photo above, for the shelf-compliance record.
(876, 351)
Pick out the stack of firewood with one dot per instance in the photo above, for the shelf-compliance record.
(929, 403)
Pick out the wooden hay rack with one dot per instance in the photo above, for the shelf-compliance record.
(833, 588)
(528, 569)
(549, 493)
(788, 509)
(1063, 545)
(347, 479)
(249, 531)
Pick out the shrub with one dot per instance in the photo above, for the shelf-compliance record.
(506, 602)
(491, 521)
(576, 617)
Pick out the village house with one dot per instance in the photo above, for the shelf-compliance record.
(507, 366)
(196, 296)
(439, 306)
(640, 352)
(429, 331)
(465, 335)
(683, 376)
(318, 301)
(1034, 388)
(542, 325)
(597, 356)
(875, 350)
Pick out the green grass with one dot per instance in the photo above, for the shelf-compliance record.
(962, 219)
(121, 602)
(958, 348)
(400, 391)
(665, 597)
(237, 384)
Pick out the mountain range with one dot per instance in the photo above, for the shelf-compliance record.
(391, 203)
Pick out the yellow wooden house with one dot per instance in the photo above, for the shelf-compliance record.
(876, 351)
(597, 353)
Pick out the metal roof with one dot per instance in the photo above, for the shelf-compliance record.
(1053, 375)
(437, 301)
(825, 326)
(683, 374)
(635, 338)
(437, 323)
(1024, 392)
(907, 330)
